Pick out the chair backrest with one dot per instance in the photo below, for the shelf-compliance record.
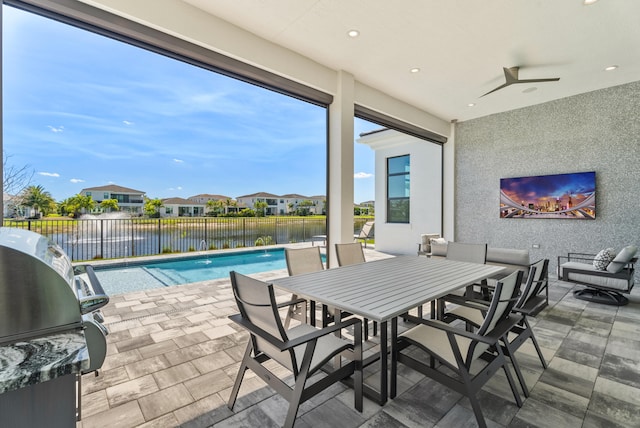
(536, 281)
(366, 230)
(257, 304)
(472, 253)
(349, 254)
(503, 300)
(303, 260)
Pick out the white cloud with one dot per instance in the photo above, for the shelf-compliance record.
(76, 180)
(49, 174)
(178, 161)
(359, 175)
(126, 122)
(55, 130)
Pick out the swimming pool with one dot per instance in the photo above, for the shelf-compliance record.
(143, 276)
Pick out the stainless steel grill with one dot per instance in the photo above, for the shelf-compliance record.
(42, 295)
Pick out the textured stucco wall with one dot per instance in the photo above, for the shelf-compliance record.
(597, 131)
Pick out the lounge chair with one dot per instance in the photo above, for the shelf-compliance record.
(605, 279)
(303, 350)
(365, 233)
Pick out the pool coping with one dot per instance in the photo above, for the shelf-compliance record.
(132, 261)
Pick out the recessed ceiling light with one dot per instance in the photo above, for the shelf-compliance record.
(588, 2)
(353, 33)
(470, 105)
(611, 67)
(415, 70)
(531, 89)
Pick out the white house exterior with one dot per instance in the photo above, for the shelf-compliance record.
(129, 200)
(230, 205)
(284, 204)
(180, 207)
(425, 192)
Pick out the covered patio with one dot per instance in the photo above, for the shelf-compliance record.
(173, 356)
(173, 353)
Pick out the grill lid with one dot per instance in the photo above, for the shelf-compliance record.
(36, 286)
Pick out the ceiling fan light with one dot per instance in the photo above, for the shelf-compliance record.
(414, 70)
(353, 33)
(588, 2)
(611, 68)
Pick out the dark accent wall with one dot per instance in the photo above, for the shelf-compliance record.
(597, 131)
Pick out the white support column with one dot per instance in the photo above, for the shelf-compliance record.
(341, 193)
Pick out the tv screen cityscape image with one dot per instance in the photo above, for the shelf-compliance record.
(568, 196)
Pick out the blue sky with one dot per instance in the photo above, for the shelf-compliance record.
(82, 110)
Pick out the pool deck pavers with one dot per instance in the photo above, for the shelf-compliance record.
(173, 356)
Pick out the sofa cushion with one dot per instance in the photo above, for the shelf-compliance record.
(603, 258)
(601, 281)
(622, 258)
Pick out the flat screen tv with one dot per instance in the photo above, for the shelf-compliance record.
(569, 196)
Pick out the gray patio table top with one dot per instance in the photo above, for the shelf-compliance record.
(381, 290)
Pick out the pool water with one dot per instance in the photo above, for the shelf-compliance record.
(135, 277)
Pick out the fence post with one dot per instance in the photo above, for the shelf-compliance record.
(275, 231)
(159, 238)
(133, 239)
(244, 231)
(102, 237)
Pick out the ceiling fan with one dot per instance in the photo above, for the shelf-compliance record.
(511, 77)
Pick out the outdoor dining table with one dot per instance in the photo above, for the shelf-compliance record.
(382, 290)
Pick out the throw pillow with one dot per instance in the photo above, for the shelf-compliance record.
(603, 258)
(439, 247)
(624, 256)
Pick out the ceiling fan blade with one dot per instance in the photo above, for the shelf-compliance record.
(504, 85)
(511, 77)
(551, 79)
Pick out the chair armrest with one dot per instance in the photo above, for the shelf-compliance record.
(466, 301)
(453, 330)
(292, 302)
(323, 332)
(283, 346)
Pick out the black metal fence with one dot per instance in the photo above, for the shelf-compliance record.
(104, 238)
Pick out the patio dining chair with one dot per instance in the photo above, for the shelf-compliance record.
(299, 261)
(530, 302)
(457, 349)
(351, 254)
(470, 253)
(303, 350)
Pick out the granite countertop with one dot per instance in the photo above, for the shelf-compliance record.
(38, 360)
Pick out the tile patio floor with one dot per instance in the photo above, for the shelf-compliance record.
(173, 356)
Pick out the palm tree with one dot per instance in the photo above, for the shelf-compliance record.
(152, 207)
(261, 207)
(109, 205)
(38, 199)
(74, 205)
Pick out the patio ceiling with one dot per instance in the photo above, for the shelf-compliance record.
(460, 47)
